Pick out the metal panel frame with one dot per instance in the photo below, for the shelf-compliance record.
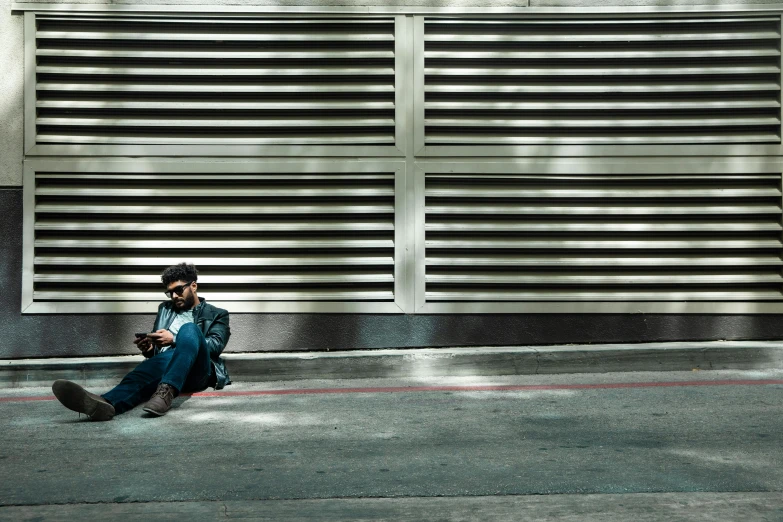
(578, 150)
(420, 250)
(417, 132)
(409, 158)
(29, 82)
(32, 148)
(418, 78)
(206, 165)
(405, 224)
(401, 65)
(28, 234)
(588, 166)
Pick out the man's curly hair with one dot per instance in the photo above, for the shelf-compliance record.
(181, 272)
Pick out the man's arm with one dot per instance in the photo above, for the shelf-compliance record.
(218, 333)
(145, 343)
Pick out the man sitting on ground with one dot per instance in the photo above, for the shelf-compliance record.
(183, 355)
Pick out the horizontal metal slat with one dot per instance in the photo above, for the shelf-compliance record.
(554, 295)
(744, 52)
(219, 209)
(553, 122)
(223, 177)
(601, 72)
(608, 279)
(222, 226)
(245, 279)
(279, 140)
(574, 24)
(608, 140)
(219, 122)
(149, 34)
(223, 262)
(210, 19)
(685, 177)
(631, 244)
(267, 192)
(600, 210)
(657, 37)
(607, 88)
(222, 123)
(598, 105)
(479, 191)
(207, 105)
(178, 244)
(191, 88)
(624, 227)
(582, 261)
(215, 70)
(305, 295)
(185, 54)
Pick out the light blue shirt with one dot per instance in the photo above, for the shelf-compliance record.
(182, 318)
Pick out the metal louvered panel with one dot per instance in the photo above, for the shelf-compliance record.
(282, 236)
(602, 82)
(201, 80)
(694, 97)
(526, 237)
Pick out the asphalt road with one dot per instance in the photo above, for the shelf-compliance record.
(569, 437)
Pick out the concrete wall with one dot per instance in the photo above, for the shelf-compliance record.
(77, 335)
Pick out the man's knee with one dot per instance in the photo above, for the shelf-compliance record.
(188, 333)
(190, 328)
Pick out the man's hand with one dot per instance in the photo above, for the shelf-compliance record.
(161, 338)
(144, 344)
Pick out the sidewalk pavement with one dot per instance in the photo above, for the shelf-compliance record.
(516, 440)
(433, 362)
(639, 507)
(588, 447)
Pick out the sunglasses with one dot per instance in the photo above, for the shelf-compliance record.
(178, 290)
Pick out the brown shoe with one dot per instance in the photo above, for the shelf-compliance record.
(76, 398)
(160, 402)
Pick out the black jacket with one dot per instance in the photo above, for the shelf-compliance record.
(213, 323)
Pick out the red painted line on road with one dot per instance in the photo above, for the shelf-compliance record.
(27, 399)
(476, 388)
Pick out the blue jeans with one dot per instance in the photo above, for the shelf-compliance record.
(186, 367)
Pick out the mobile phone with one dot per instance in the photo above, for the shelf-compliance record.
(141, 334)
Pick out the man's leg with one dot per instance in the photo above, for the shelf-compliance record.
(188, 370)
(190, 367)
(139, 384)
(134, 388)
(76, 398)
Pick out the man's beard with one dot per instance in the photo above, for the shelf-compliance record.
(187, 302)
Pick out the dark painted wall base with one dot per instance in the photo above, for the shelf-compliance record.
(82, 335)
